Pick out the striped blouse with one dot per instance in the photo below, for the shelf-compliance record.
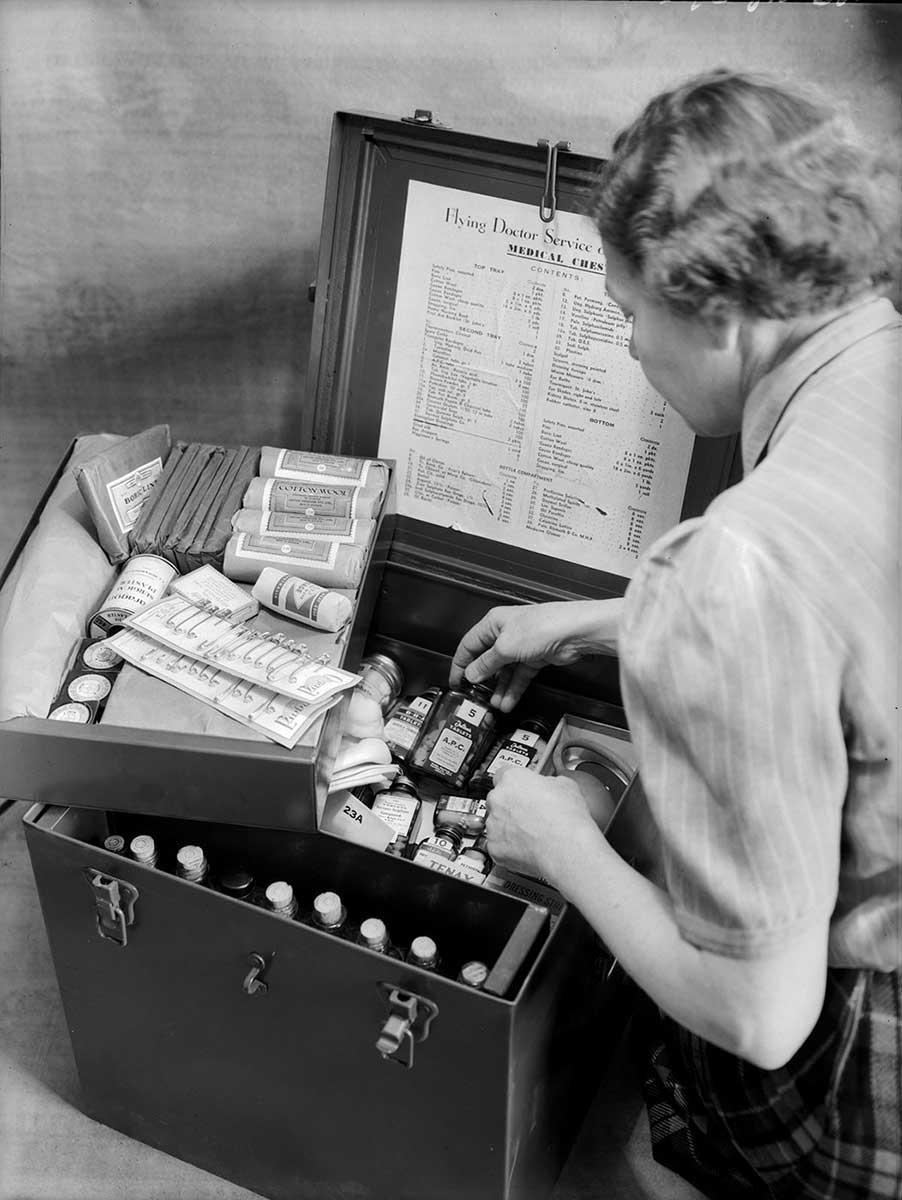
(760, 665)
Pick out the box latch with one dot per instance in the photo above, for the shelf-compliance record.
(114, 902)
(407, 1022)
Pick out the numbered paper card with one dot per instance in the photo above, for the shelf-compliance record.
(512, 405)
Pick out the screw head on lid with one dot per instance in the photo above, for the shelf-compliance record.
(143, 847)
(373, 931)
(327, 907)
(280, 894)
(424, 949)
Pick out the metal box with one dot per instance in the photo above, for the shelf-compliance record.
(290, 1061)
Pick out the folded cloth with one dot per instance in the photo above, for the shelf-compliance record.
(266, 523)
(307, 467)
(327, 564)
(188, 517)
(56, 583)
(313, 499)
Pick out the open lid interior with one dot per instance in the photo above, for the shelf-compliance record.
(462, 329)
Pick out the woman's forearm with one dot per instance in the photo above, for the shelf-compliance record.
(760, 1009)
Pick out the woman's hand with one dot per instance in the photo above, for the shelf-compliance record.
(534, 821)
(512, 643)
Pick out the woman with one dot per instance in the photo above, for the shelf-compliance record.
(748, 237)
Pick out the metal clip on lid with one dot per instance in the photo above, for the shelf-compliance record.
(548, 206)
(114, 903)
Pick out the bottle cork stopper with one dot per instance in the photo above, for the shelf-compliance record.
(280, 894)
(474, 973)
(372, 930)
(423, 948)
(327, 907)
(143, 847)
(190, 857)
(115, 843)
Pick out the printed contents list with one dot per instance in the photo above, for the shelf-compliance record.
(512, 405)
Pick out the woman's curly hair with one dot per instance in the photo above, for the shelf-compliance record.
(735, 193)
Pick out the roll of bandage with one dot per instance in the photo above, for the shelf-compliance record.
(327, 564)
(266, 523)
(302, 601)
(306, 467)
(313, 499)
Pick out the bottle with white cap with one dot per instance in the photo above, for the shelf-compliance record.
(280, 899)
(330, 914)
(144, 849)
(374, 935)
(191, 864)
(423, 953)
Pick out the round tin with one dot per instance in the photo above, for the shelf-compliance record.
(144, 579)
(80, 713)
(89, 687)
(101, 657)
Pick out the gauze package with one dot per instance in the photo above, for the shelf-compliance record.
(116, 483)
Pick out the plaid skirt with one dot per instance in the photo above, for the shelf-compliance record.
(828, 1125)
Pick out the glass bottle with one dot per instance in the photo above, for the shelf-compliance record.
(144, 849)
(423, 953)
(469, 812)
(280, 899)
(440, 848)
(382, 678)
(191, 864)
(459, 727)
(478, 855)
(473, 974)
(519, 748)
(399, 806)
(374, 935)
(406, 722)
(237, 883)
(330, 914)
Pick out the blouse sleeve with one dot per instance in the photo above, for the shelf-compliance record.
(732, 690)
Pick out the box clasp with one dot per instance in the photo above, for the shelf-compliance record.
(548, 204)
(407, 1023)
(114, 903)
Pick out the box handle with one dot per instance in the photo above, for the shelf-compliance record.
(253, 984)
(407, 1023)
(114, 904)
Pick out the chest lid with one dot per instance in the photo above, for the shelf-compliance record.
(462, 329)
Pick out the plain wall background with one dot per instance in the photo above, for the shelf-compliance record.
(163, 166)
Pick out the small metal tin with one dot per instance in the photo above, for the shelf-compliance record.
(81, 714)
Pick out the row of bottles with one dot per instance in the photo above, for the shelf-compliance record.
(327, 913)
(449, 734)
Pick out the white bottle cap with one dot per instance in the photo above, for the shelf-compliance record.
(143, 847)
(190, 857)
(280, 894)
(327, 907)
(373, 931)
(423, 948)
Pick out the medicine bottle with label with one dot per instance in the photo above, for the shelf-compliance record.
(382, 678)
(520, 748)
(399, 806)
(478, 855)
(469, 812)
(458, 730)
(406, 722)
(440, 848)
